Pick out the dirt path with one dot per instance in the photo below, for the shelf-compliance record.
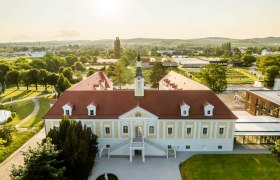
(34, 112)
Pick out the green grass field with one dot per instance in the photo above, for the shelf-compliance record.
(19, 138)
(235, 76)
(36, 121)
(23, 109)
(14, 94)
(230, 166)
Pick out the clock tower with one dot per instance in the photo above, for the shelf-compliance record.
(138, 78)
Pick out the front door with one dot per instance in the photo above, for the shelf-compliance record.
(138, 132)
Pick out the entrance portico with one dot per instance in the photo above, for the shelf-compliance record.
(137, 144)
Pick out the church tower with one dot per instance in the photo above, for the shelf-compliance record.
(138, 78)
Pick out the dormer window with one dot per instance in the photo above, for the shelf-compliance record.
(92, 109)
(184, 109)
(67, 109)
(208, 109)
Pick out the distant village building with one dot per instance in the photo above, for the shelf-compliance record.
(38, 54)
(191, 62)
(16, 54)
(106, 61)
(170, 64)
(117, 47)
(269, 53)
(165, 52)
(146, 63)
(276, 84)
(176, 81)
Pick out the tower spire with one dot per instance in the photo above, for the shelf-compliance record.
(138, 65)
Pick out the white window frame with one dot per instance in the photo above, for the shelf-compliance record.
(107, 126)
(206, 130)
(149, 132)
(187, 130)
(172, 130)
(223, 130)
(125, 133)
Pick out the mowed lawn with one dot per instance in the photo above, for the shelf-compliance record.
(15, 94)
(230, 166)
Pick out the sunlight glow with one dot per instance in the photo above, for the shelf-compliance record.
(109, 9)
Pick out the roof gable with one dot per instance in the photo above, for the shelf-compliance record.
(138, 113)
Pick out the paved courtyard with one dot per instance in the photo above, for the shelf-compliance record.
(158, 167)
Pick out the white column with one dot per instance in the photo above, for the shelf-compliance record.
(130, 155)
(176, 129)
(183, 129)
(131, 129)
(94, 127)
(198, 128)
(194, 129)
(227, 131)
(119, 129)
(145, 132)
(164, 130)
(216, 127)
(211, 129)
(113, 129)
(157, 130)
(143, 155)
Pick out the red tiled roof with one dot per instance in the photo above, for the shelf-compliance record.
(164, 104)
(97, 81)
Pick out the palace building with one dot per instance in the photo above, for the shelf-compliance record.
(148, 122)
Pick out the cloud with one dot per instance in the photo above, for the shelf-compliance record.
(68, 34)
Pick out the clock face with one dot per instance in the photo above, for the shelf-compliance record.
(138, 78)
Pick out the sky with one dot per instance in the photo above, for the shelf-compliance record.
(44, 20)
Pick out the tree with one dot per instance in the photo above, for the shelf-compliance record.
(62, 84)
(90, 72)
(43, 78)
(33, 77)
(117, 47)
(214, 76)
(71, 59)
(79, 147)
(40, 163)
(271, 72)
(52, 79)
(275, 149)
(12, 77)
(79, 66)
(157, 73)
(4, 68)
(68, 73)
(24, 78)
(119, 74)
(248, 59)
(38, 64)
(84, 59)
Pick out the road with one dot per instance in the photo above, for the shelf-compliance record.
(16, 157)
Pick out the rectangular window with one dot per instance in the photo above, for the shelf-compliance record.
(107, 130)
(208, 112)
(152, 130)
(125, 129)
(189, 131)
(67, 112)
(91, 112)
(169, 130)
(169, 146)
(204, 131)
(221, 131)
(184, 112)
(220, 147)
(139, 85)
(188, 147)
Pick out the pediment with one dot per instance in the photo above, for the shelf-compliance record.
(138, 113)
